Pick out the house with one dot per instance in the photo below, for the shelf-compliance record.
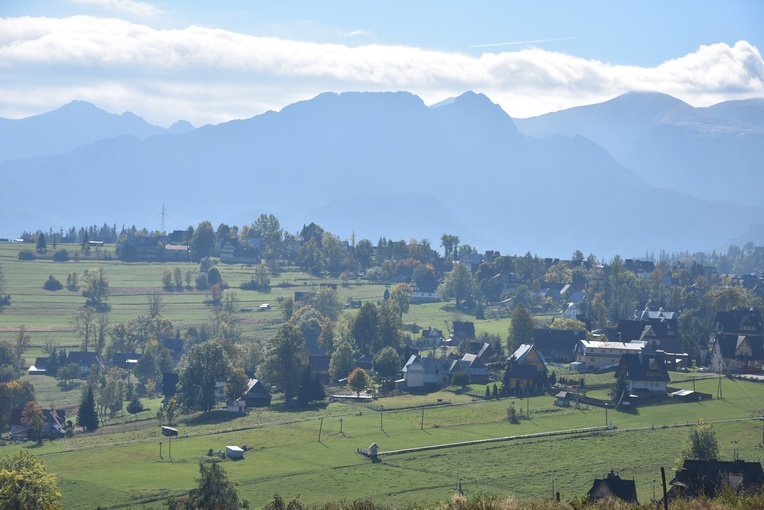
(526, 370)
(733, 353)
(596, 355)
(424, 372)
(424, 292)
(432, 337)
(319, 363)
(125, 360)
(557, 345)
(257, 395)
(614, 487)
(85, 360)
(471, 364)
(54, 424)
(562, 399)
(40, 366)
(741, 322)
(698, 478)
(644, 373)
(483, 350)
(176, 253)
(463, 330)
(234, 252)
(143, 248)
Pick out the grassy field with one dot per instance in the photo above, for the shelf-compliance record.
(120, 465)
(47, 315)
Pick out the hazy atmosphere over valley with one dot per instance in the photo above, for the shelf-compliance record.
(548, 127)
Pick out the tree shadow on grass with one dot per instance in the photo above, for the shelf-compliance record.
(212, 417)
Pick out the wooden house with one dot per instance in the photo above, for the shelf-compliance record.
(614, 487)
(257, 395)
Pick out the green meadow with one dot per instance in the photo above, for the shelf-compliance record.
(127, 462)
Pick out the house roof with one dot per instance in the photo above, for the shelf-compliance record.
(644, 367)
(728, 345)
(256, 389)
(429, 365)
(86, 359)
(704, 477)
(557, 339)
(615, 487)
(521, 353)
(739, 321)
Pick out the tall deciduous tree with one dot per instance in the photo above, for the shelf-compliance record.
(365, 329)
(22, 342)
(520, 329)
(457, 285)
(32, 417)
(203, 241)
(341, 362)
(387, 363)
(701, 443)
(25, 484)
(358, 380)
(284, 360)
(199, 370)
(96, 286)
(401, 295)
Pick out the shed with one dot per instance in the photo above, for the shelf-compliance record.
(563, 399)
(234, 452)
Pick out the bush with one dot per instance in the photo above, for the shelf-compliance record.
(52, 284)
(61, 255)
(26, 254)
(135, 406)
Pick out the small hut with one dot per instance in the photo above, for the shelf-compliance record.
(234, 452)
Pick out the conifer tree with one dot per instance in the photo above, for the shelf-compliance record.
(87, 416)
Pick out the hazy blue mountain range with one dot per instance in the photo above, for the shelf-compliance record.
(377, 164)
(75, 124)
(714, 153)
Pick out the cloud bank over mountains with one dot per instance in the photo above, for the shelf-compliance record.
(211, 75)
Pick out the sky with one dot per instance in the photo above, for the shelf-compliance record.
(210, 62)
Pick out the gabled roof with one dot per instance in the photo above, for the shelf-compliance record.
(86, 359)
(429, 365)
(644, 367)
(557, 339)
(523, 351)
(739, 321)
(613, 486)
(728, 345)
(706, 477)
(256, 389)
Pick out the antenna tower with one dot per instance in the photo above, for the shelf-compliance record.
(164, 213)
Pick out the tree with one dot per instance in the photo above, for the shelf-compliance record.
(520, 329)
(363, 253)
(390, 324)
(311, 388)
(42, 245)
(21, 393)
(341, 362)
(358, 380)
(268, 229)
(52, 284)
(24, 484)
(236, 385)
(87, 416)
(215, 491)
(96, 286)
(327, 302)
(387, 363)
(365, 329)
(450, 244)
(167, 278)
(198, 371)
(84, 322)
(68, 373)
(701, 444)
(401, 295)
(283, 360)
(457, 285)
(22, 342)
(460, 378)
(203, 241)
(32, 417)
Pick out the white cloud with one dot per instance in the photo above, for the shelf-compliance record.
(211, 75)
(141, 9)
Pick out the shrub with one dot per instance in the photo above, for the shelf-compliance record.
(61, 255)
(135, 406)
(52, 284)
(26, 254)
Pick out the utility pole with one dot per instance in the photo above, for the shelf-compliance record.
(422, 417)
(321, 426)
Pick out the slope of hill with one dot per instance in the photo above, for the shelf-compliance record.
(712, 153)
(75, 124)
(377, 164)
